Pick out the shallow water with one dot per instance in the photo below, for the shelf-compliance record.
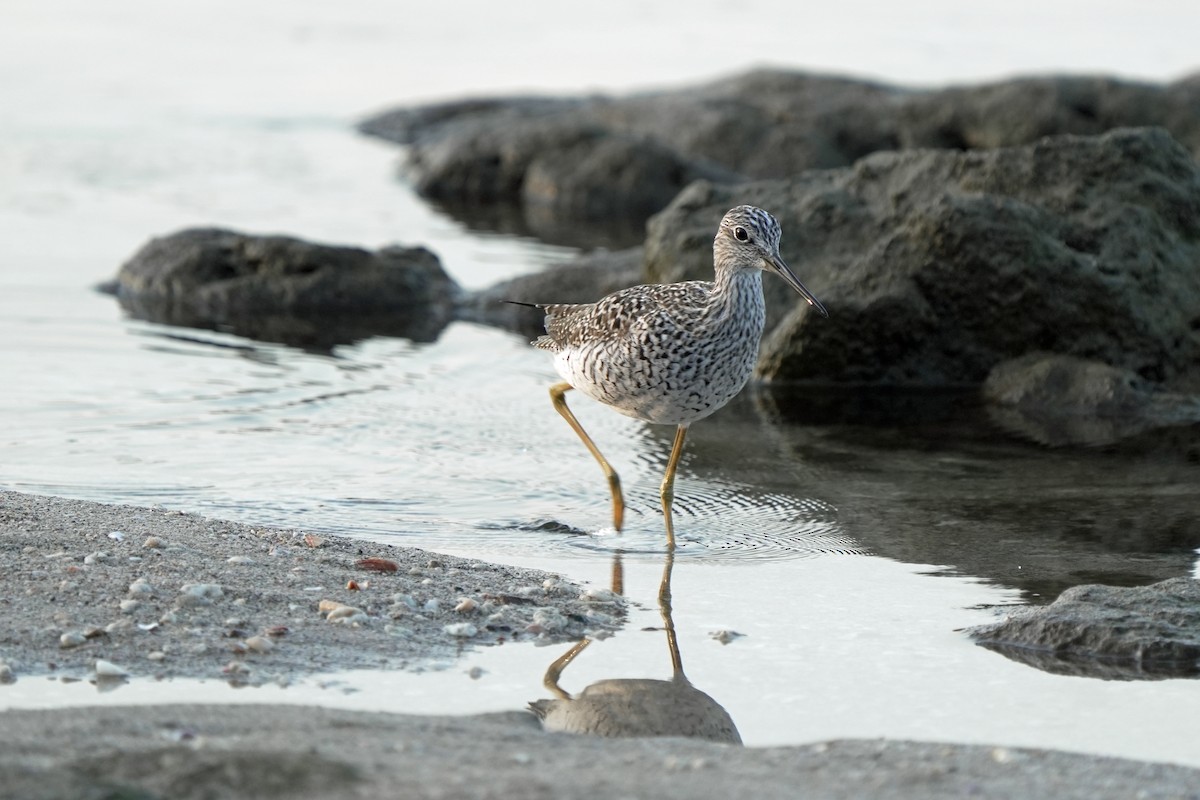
(848, 536)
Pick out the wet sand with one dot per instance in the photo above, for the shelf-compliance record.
(243, 604)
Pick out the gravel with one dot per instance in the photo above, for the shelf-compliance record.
(208, 598)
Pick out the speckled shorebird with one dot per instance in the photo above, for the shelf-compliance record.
(671, 353)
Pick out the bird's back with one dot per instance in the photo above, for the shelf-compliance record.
(665, 353)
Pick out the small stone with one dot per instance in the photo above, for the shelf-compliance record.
(465, 605)
(725, 637)
(597, 595)
(260, 644)
(98, 557)
(200, 594)
(120, 626)
(547, 619)
(239, 560)
(434, 564)
(116, 536)
(129, 606)
(107, 669)
(377, 564)
(140, 587)
(6, 674)
(476, 672)
(71, 639)
(431, 606)
(156, 655)
(152, 542)
(461, 630)
(347, 615)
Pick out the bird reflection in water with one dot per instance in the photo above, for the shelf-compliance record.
(627, 707)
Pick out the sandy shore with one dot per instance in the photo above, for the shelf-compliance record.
(220, 599)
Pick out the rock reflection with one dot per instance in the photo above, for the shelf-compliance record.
(927, 478)
(631, 707)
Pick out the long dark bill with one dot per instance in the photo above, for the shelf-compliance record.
(785, 271)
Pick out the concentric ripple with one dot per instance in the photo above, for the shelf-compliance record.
(714, 522)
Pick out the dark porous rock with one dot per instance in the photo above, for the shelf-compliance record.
(764, 124)
(1062, 400)
(276, 288)
(1023, 110)
(1112, 632)
(560, 172)
(937, 265)
(586, 279)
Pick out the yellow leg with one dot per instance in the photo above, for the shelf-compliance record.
(550, 681)
(664, 607)
(667, 490)
(558, 397)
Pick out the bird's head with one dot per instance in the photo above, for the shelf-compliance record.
(748, 238)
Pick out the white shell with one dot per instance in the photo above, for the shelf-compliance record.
(107, 669)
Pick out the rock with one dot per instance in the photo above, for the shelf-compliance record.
(107, 669)
(938, 265)
(1109, 632)
(277, 288)
(583, 280)
(1061, 400)
(491, 152)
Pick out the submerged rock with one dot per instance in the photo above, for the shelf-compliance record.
(278, 288)
(937, 265)
(1061, 400)
(1118, 633)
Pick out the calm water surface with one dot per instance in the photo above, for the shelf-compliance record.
(847, 547)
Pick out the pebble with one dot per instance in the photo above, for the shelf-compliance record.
(71, 639)
(116, 536)
(725, 637)
(598, 595)
(6, 673)
(153, 542)
(462, 630)
(98, 557)
(465, 605)
(260, 644)
(476, 672)
(107, 669)
(239, 560)
(129, 606)
(431, 606)
(157, 655)
(140, 586)
(120, 626)
(200, 594)
(547, 620)
(342, 613)
(377, 564)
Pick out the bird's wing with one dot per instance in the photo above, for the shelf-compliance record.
(615, 315)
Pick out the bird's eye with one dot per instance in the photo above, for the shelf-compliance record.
(740, 234)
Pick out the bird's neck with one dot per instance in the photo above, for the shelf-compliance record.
(737, 293)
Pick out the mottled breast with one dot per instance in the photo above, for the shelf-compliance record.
(670, 353)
